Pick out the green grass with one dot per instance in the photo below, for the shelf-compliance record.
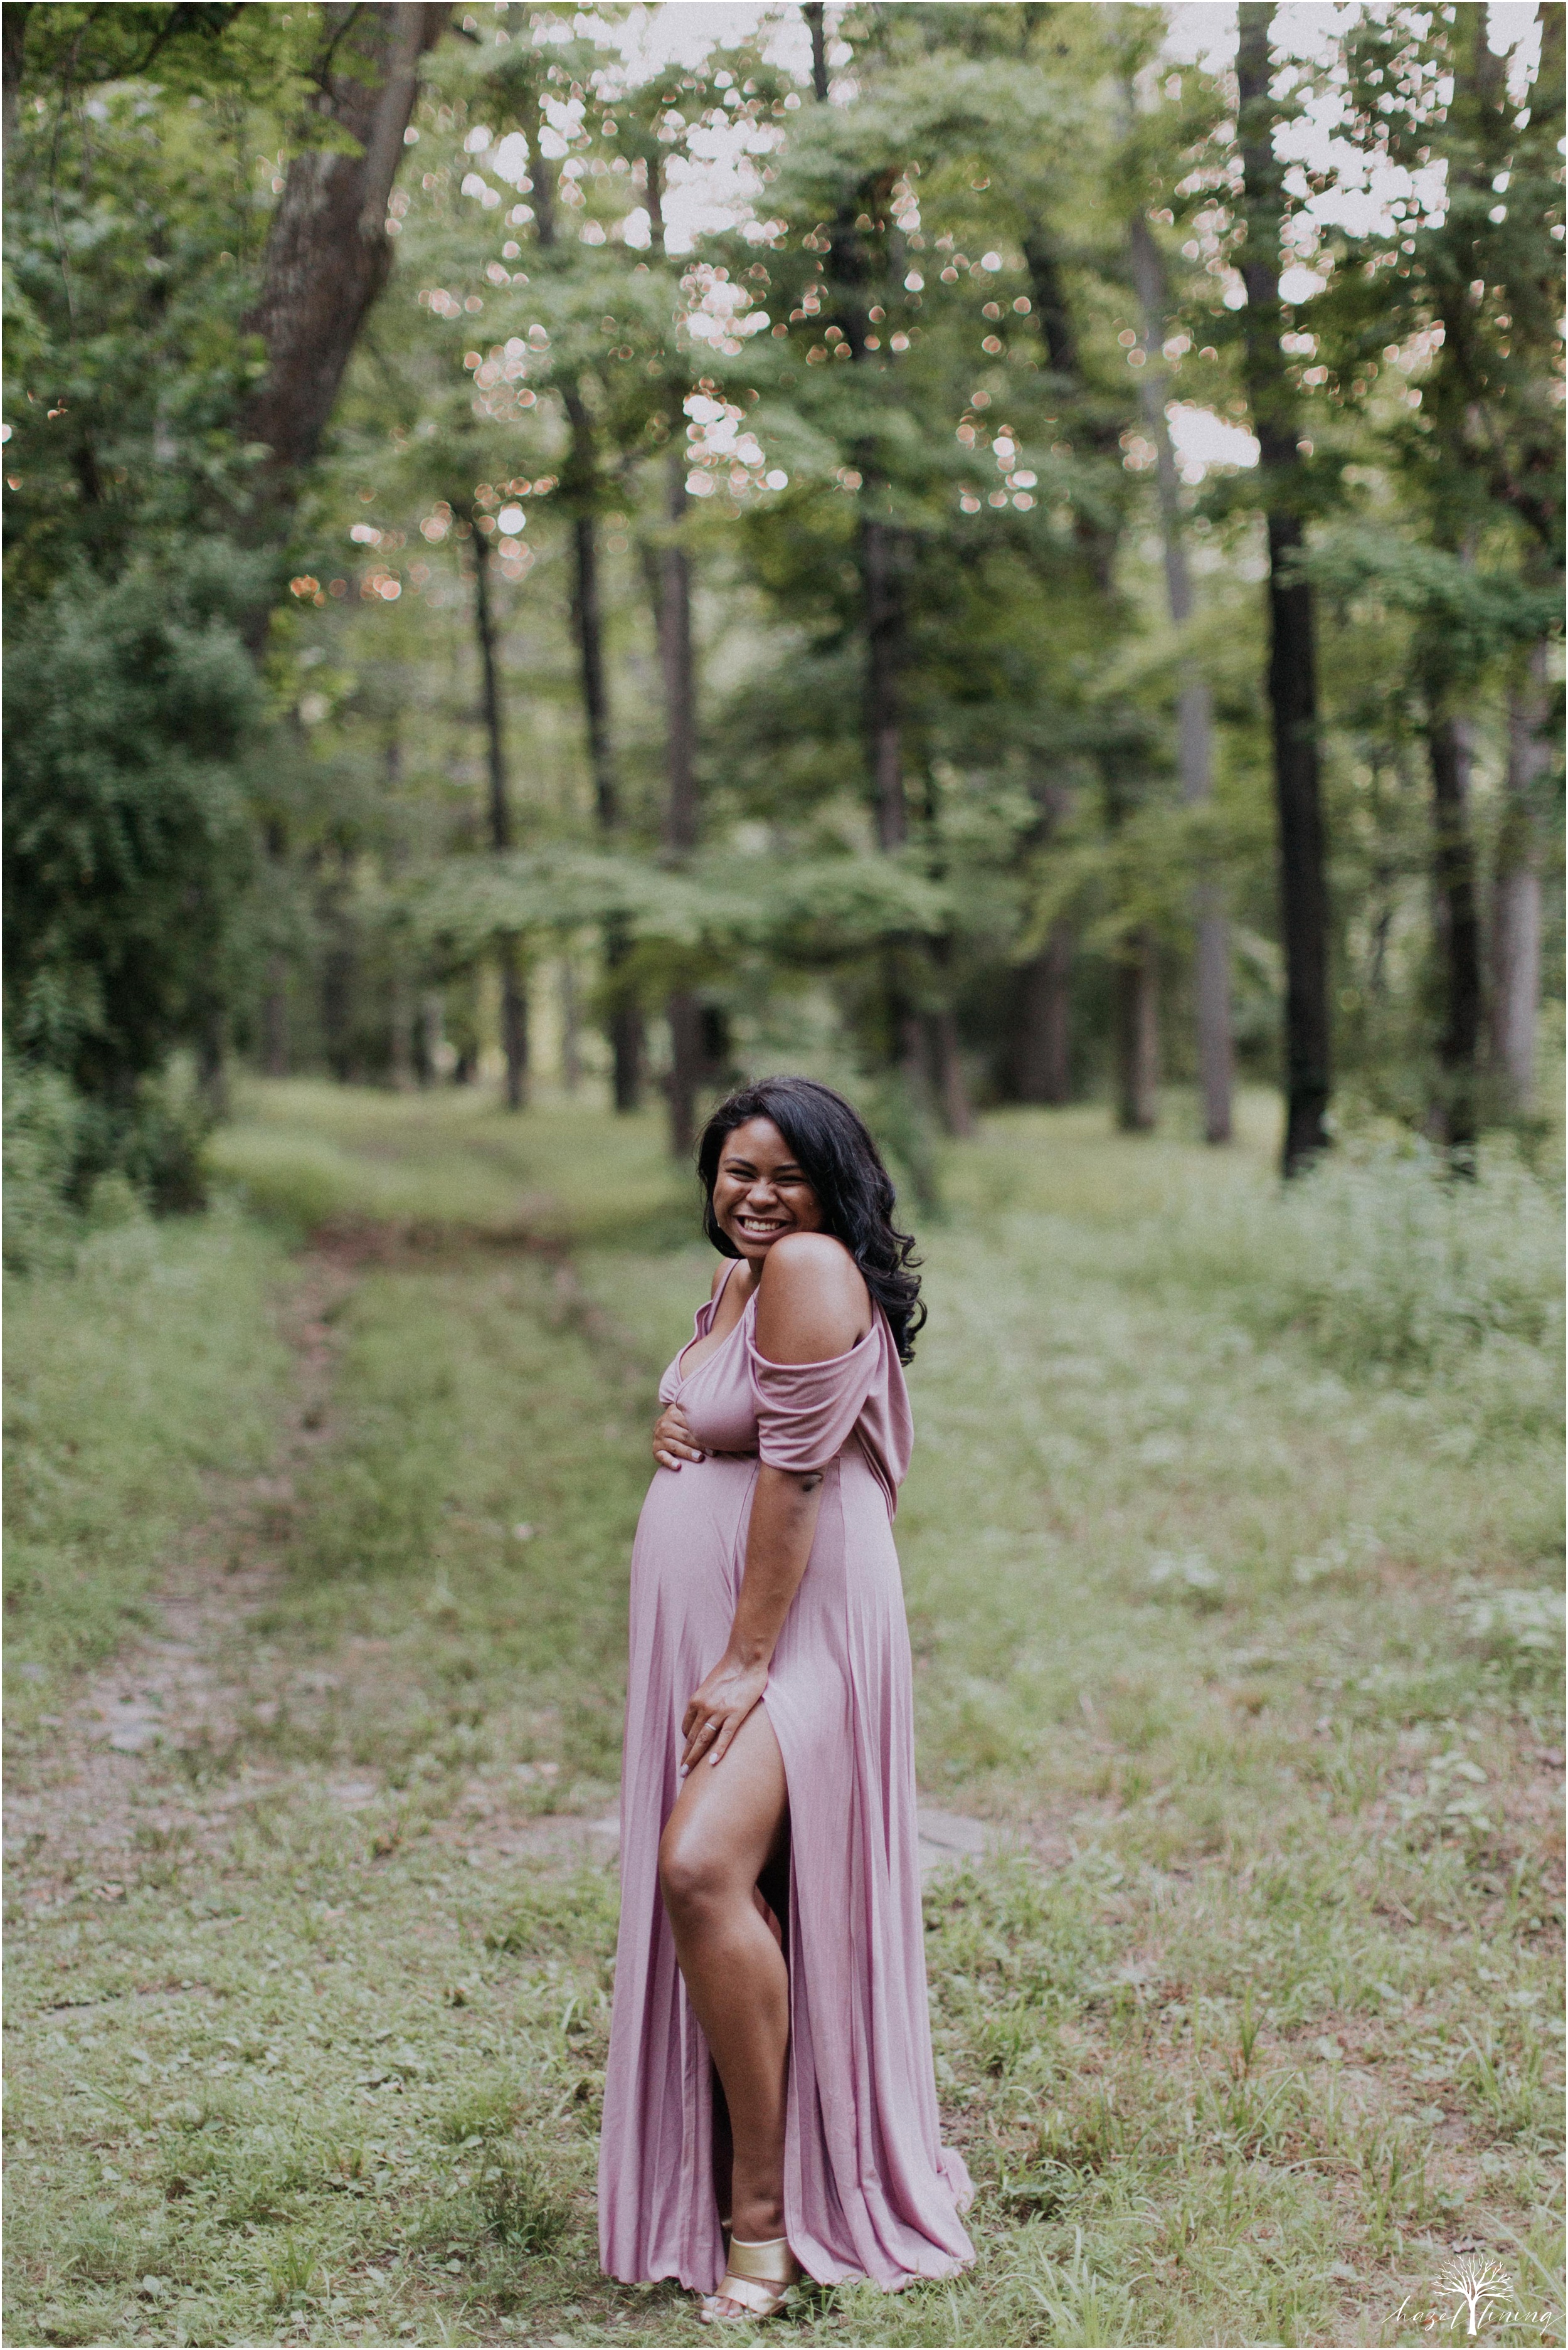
(1228, 1553)
(306, 1153)
(151, 1363)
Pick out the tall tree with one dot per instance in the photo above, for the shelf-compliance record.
(1098, 422)
(852, 266)
(1195, 702)
(1292, 650)
(683, 1009)
(1516, 903)
(327, 251)
(1475, 285)
(137, 299)
(581, 488)
(669, 571)
(514, 998)
(523, 85)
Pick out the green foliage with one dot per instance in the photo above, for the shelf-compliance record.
(130, 707)
(1385, 1263)
(136, 220)
(43, 1132)
(137, 211)
(923, 327)
(1480, 614)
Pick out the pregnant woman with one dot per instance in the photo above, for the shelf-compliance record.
(770, 2108)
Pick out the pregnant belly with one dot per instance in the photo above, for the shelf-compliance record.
(693, 1521)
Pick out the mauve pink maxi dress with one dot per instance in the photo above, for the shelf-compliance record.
(869, 2190)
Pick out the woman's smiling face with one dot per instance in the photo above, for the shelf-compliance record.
(760, 1191)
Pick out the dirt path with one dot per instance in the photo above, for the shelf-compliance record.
(199, 1690)
(84, 1808)
(91, 1807)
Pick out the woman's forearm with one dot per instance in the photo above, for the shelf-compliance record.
(784, 1507)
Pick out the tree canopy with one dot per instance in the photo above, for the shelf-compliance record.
(992, 546)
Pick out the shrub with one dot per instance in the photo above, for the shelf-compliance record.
(43, 1136)
(74, 1166)
(129, 711)
(1382, 1262)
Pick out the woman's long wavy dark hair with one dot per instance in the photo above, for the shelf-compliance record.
(834, 1149)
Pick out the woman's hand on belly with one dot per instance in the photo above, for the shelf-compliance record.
(718, 1707)
(672, 1439)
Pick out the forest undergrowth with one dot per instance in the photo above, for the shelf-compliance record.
(1230, 1560)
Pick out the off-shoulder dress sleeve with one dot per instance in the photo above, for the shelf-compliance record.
(806, 1411)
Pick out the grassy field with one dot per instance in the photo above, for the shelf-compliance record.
(1231, 1559)
(156, 1362)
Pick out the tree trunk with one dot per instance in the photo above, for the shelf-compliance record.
(1045, 1071)
(430, 1036)
(1137, 1033)
(626, 1026)
(882, 586)
(1303, 885)
(1100, 429)
(1194, 711)
(626, 1041)
(499, 803)
(1459, 935)
(462, 1011)
(275, 1017)
(513, 1001)
(815, 16)
(944, 1059)
(676, 661)
(400, 1026)
(1211, 993)
(328, 252)
(1516, 906)
(1041, 1060)
(625, 1019)
(905, 1045)
(13, 43)
(513, 1021)
(881, 547)
(947, 1072)
(674, 613)
(213, 1060)
(571, 1028)
(400, 994)
(684, 1013)
(338, 984)
(587, 627)
(1292, 653)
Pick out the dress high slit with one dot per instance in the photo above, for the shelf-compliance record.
(869, 2190)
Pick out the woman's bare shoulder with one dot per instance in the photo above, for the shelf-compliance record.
(813, 1302)
(720, 1270)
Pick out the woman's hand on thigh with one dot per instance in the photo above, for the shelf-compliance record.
(718, 1707)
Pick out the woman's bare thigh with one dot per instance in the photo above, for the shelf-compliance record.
(733, 1817)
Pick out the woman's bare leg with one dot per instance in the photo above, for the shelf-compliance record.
(726, 1824)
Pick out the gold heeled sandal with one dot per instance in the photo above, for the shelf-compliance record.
(757, 2276)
